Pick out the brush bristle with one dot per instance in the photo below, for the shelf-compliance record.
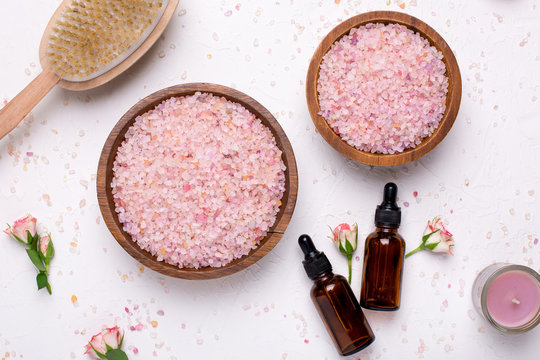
(92, 36)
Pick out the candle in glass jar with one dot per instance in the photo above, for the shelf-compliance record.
(508, 296)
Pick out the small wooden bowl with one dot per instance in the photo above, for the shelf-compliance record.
(453, 97)
(105, 176)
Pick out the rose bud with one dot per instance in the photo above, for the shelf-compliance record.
(346, 239)
(436, 238)
(106, 342)
(23, 230)
(439, 239)
(46, 249)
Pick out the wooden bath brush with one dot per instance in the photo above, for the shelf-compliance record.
(86, 44)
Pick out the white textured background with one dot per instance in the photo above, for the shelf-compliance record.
(484, 178)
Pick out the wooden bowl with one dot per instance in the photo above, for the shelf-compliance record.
(105, 176)
(453, 97)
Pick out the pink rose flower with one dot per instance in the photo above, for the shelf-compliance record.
(46, 249)
(346, 239)
(21, 227)
(106, 342)
(436, 238)
(40, 251)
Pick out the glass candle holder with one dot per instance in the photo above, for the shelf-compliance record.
(508, 297)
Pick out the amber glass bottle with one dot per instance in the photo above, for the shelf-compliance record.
(383, 257)
(335, 302)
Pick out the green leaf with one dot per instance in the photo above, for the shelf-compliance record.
(108, 347)
(121, 340)
(116, 354)
(425, 237)
(342, 249)
(29, 237)
(36, 260)
(100, 355)
(349, 247)
(431, 246)
(50, 250)
(41, 280)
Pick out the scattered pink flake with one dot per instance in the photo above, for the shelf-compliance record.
(137, 327)
(445, 303)
(406, 203)
(449, 286)
(415, 193)
(135, 350)
(160, 312)
(382, 88)
(228, 13)
(306, 341)
(29, 154)
(266, 309)
(200, 341)
(535, 241)
(183, 326)
(422, 347)
(186, 187)
(126, 309)
(237, 6)
(154, 353)
(230, 162)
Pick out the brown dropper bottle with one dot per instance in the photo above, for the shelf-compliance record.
(335, 302)
(383, 257)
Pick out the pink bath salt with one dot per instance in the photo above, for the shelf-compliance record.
(201, 218)
(198, 181)
(382, 88)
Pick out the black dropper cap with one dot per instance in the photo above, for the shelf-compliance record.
(315, 262)
(388, 213)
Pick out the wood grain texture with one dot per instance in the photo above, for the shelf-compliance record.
(118, 69)
(453, 98)
(105, 176)
(16, 110)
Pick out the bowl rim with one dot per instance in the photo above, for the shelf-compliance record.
(453, 97)
(116, 137)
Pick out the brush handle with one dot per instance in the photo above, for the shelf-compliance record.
(16, 110)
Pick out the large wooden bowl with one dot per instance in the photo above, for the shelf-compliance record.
(453, 97)
(105, 176)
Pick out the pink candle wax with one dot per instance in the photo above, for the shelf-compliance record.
(513, 298)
